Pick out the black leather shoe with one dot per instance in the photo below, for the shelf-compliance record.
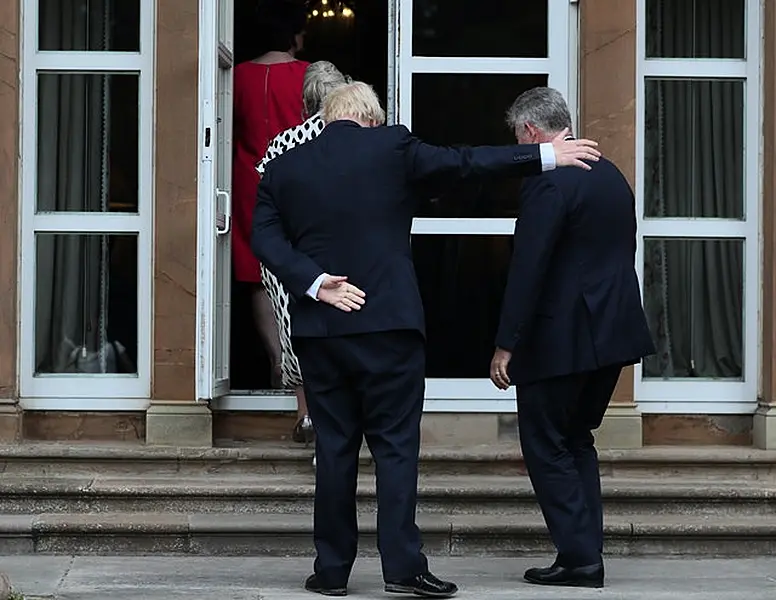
(591, 576)
(425, 586)
(314, 585)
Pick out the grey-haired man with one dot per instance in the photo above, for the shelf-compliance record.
(571, 320)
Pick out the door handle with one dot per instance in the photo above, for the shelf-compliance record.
(226, 227)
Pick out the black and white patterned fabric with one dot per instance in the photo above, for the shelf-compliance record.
(278, 296)
(290, 138)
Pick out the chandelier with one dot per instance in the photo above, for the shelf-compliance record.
(330, 9)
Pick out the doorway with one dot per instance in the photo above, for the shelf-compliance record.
(355, 39)
(450, 86)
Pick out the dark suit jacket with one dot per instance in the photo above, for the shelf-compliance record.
(572, 302)
(343, 204)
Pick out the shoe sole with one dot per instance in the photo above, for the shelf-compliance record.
(395, 588)
(578, 583)
(329, 592)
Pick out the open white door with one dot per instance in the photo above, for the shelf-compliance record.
(216, 62)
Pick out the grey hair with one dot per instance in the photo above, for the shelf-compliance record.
(543, 107)
(320, 78)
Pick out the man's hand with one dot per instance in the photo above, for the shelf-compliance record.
(336, 291)
(498, 368)
(571, 153)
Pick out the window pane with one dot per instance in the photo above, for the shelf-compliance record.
(86, 303)
(461, 28)
(696, 28)
(99, 25)
(693, 297)
(462, 281)
(87, 142)
(475, 116)
(694, 149)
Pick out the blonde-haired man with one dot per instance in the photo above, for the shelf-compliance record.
(320, 79)
(355, 102)
(333, 222)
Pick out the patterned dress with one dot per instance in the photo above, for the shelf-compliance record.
(292, 375)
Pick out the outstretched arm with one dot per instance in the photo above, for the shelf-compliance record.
(424, 161)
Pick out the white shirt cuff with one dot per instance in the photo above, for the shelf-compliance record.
(312, 291)
(547, 153)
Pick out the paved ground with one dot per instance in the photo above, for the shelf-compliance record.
(197, 578)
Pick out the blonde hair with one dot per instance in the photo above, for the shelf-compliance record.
(355, 101)
(320, 78)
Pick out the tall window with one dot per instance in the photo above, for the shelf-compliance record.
(698, 170)
(86, 202)
(454, 85)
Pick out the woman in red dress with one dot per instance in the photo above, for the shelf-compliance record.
(267, 100)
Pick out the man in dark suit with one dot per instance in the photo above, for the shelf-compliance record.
(343, 204)
(571, 320)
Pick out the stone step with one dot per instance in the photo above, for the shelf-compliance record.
(52, 458)
(291, 535)
(438, 495)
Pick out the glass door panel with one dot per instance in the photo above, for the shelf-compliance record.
(453, 88)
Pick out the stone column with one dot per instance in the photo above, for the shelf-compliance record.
(608, 102)
(764, 426)
(174, 417)
(10, 414)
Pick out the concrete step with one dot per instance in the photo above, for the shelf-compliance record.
(51, 458)
(438, 495)
(291, 535)
(188, 577)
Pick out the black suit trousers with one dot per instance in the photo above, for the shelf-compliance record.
(556, 420)
(368, 386)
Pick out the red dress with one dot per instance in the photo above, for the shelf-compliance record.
(267, 100)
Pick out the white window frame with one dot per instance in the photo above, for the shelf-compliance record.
(480, 395)
(92, 392)
(453, 395)
(705, 396)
